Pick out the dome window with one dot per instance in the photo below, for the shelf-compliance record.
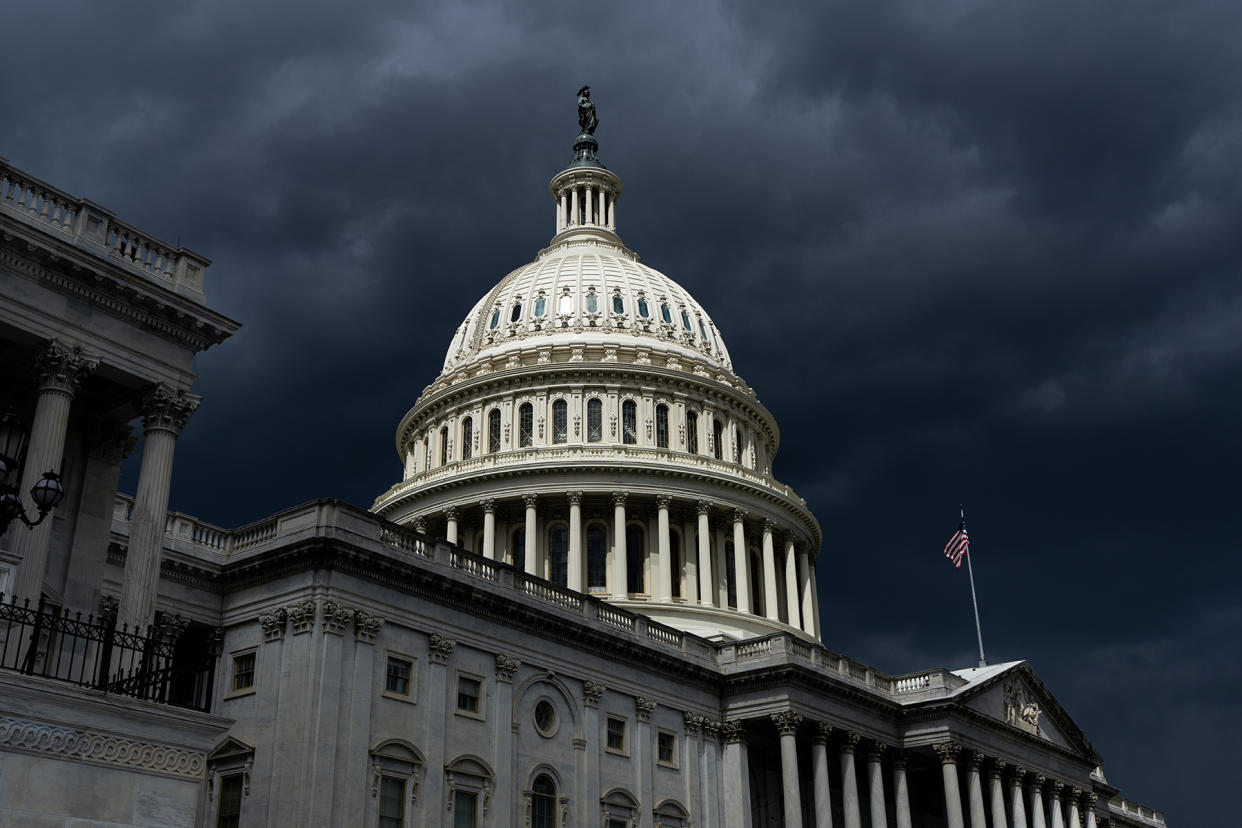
(666, 314)
(692, 432)
(685, 321)
(526, 425)
(516, 313)
(592, 302)
(595, 420)
(643, 310)
(541, 306)
(565, 305)
(629, 423)
(467, 438)
(703, 332)
(661, 423)
(493, 431)
(560, 422)
(495, 319)
(618, 304)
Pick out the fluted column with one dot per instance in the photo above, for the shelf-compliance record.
(792, 596)
(901, 791)
(1017, 806)
(849, 782)
(823, 789)
(1037, 801)
(974, 790)
(577, 566)
(787, 722)
(662, 572)
(1072, 819)
(60, 369)
(997, 793)
(618, 585)
(450, 524)
(532, 537)
(164, 412)
(952, 793)
(707, 591)
(875, 780)
(771, 603)
(741, 561)
(1054, 806)
(489, 528)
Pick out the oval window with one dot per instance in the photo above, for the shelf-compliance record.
(516, 314)
(495, 318)
(618, 304)
(541, 305)
(642, 308)
(666, 314)
(685, 321)
(545, 717)
(592, 303)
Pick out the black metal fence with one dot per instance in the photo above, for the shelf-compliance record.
(172, 663)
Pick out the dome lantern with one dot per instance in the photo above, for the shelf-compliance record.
(586, 191)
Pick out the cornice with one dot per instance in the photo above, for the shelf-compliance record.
(951, 709)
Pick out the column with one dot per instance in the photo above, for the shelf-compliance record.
(60, 370)
(771, 602)
(849, 782)
(901, 791)
(1054, 807)
(450, 524)
(823, 790)
(1037, 801)
(1075, 793)
(662, 572)
(573, 207)
(1016, 806)
(1089, 806)
(816, 629)
(997, 793)
(736, 782)
(741, 561)
(974, 790)
(576, 568)
(804, 581)
(612, 212)
(618, 585)
(532, 538)
(792, 596)
(707, 591)
(875, 780)
(787, 722)
(710, 761)
(164, 412)
(952, 794)
(489, 528)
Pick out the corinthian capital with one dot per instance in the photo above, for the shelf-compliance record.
(165, 408)
(61, 367)
(787, 721)
(947, 751)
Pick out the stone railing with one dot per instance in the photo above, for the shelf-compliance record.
(181, 532)
(92, 228)
(1135, 811)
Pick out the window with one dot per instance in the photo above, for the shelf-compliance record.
(662, 425)
(730, 575)
(526, 425)
(516, 313)
(467, 438)
(702, 332)
(616, 823)
(243, 672)
(519, 547)
(616, 734)
(558, 555)
(493, 431)
(468, 787)
(597, 558)
(717, 439)
(666, 748)
(595, 420)
(560, 421)
(643, 311)
(618, 304)
(592, 302)
(541, 306)
(229, 814)
(666, 314)
(443, 445)
(565, 305)
(629, 422)
(495, 319)
(674, 542)
(465, 809)
(397, 676)
(634, 558)
(391, 802)
(545, 717)
(685, 321)
(692, 432)
(620, 809)
(543, 803)
(468, 691)
(737, 445)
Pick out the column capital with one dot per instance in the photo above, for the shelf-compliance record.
(711, 727)
(1057, 786)
(732, 732)
(489, 505)
(663, 500)
(849, 741)
(366, 626)
(1037, 781)
(165, 408)
(769, 525)
(823, 732)
(739, 515)
(335, 617)
(996, 768)
(693, 722)
(975, 760)
(451, 513)
(1091, 798)
(787, 722)
(440, 648)
(61, 367)
(619, 498)
(898, 759)
(643, 708)
(703, 507)
(419, 524)
(530, 500)
(1018, 773)
(273, 624)
(875, 751)
(575, 498)
(591, 692)
(947, 751)
(506, 666)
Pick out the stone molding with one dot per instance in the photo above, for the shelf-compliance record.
(787, 722)
(506, 666)
(591, 692)
(63, 368)
(366, 626)
(439, 648)
(643, 708)
(165, 408)
(88, 746)
(947, 751)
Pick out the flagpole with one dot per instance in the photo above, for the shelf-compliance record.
(970, 570)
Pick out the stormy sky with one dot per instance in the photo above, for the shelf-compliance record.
(966, 252)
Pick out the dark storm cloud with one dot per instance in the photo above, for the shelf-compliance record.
(999, 241)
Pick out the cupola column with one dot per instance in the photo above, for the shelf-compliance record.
(663, 572)
(588, 211)
(791, 583)
(707, 594)
(771, 600)
(575, 567)
(573, 207)
(612, 211)
(532, 537)
(618, 545)
(741, 562)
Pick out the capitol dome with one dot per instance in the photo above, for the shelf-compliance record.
(588, 430)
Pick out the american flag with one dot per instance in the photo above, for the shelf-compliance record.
(958, 545)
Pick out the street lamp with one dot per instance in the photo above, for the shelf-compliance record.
(46, 493)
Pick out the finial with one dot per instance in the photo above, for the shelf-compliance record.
(587, 121)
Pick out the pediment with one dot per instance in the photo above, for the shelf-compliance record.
(230, 749)
(1017, 698)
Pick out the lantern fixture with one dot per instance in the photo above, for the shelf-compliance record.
(12, 440)
(46, 493)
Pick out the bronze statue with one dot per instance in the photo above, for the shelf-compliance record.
(586, 112)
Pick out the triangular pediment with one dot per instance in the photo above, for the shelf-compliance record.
(230, 748)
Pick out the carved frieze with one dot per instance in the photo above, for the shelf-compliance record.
(89, 746)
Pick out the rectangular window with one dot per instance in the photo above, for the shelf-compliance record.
(616, 734)
(595, 421)
(616, 823)
(662, 426)
(468, 694)
(229, 815)
(692, 432)
(629, 423)
(526, 425)
(560, 421)
(666, 748)
(243, 671)
(465, 809)
(397, 676)
(391, 802)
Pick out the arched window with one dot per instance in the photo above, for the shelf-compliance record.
(467, 438)
(643, 311)
(444, 445)
(730, 575)
(685, 321)
(597, 557)
(665, 313)
(493, 431)
(516, 313)
(629, 422)
(717, 439)
(677, 561)
(692, 432)
(618, 304)
(526, 425)
(634, 558)
(560, 422)
(543, 802)
(595, 420)
(495, 319)
(541, 306)
(592, 302)
(558, 555)
(662, 425)
(518, 547)
(737, 445)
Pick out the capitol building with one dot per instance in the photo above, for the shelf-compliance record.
(585, 602)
